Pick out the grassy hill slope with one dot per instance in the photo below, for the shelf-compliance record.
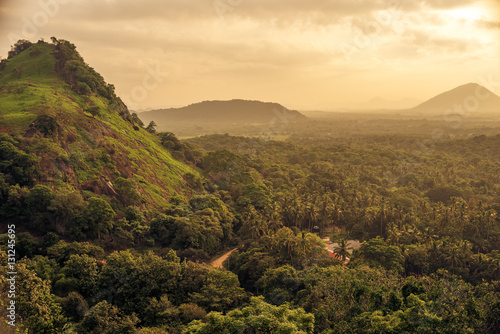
(62, 111)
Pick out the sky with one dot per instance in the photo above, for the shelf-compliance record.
(306, 55)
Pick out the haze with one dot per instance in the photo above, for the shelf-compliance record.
(305, 55)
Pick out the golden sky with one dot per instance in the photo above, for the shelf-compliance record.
(316, 54)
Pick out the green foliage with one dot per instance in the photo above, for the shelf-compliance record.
(280, 285)
(83, 271)
(17, 166)
(37, 307)
(377, 253)
(65, 206)
(137, 120)
(74, 306)
(221, 292)
(19, 47)
(94, 110)
(206, 227)
(442, 194)
(151, 128)
(170, 141)
(130, 282)
(45, 268)
(259, 317)
(37, 104)
(46, 124)
(37, 203)
(160, 312)
(98, 215)
(105, 318)
(62, 250)
(272, 251)
(83, 78)
(127, 188)
(257, 195)
(224, 168)
(26, 245)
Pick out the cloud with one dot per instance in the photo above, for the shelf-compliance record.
(448, 4)
(488, 24)
(257, 46)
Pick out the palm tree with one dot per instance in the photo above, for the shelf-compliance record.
(494, 268)
(393, 234)
(273, 218)
(310, 215)
(454, 257)
(287, 240)
(342, 250)
(304, 244)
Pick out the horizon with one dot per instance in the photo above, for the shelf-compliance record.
(172, 54)
(359, 108)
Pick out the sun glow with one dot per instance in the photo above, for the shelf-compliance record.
(469, 13)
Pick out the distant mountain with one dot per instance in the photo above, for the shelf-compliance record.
(466, 99)
(236, 112)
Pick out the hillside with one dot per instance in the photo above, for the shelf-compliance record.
(466, 99)
(57, 108)
(234, 112)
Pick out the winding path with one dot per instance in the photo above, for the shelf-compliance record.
(218, 262)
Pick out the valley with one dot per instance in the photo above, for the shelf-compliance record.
(231, 217)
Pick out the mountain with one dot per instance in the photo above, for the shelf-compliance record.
(466, 99)
(57, 110)
(235, 112)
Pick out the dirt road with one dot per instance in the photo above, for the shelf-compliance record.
(218, 262)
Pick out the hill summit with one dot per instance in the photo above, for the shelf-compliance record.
(60, 112)
(469, 98)
(238, 112)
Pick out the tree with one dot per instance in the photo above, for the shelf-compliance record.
(170, 141)
(17, 166)
(221, 292)
(38, 310)
(342, 250)
(127, 189)
(443, 194)
(492, 321)
(160, 312)
(83, 269)
(19, 47)
(37, 204)
(280, 285)
(105, 318)
(83, 89)
(99, 214)
(151, 127)
(377, 253)
(256, 194)
(94, 110)
(129, 281)
(137, 120)
(259, 317)
(64, 206)
(74, 306)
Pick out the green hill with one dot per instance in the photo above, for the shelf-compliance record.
(57, 108)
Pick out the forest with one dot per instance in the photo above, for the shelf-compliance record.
(425, 209)
(429, 260)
